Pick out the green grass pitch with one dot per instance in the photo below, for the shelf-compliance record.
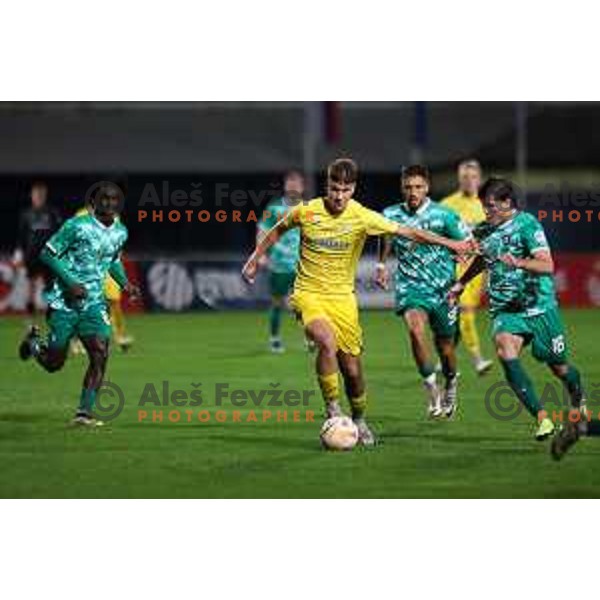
(474, 456)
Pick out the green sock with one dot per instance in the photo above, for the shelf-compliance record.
(572, 381)
(426, 370)
(275, 321)
(521, 385)
(87, 401)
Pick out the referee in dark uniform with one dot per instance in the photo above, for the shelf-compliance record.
(36, 225)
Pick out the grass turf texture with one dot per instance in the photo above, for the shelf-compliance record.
(474, 456)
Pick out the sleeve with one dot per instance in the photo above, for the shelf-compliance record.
(295, 217)
(456, 228)
(535, 237)
(377, 224)
(58, 267)
(268, 220)
(117, 272)
(60, 242)
(116, 269)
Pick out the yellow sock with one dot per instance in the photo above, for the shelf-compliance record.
(468, 332)
(359, 405)
(330, 387)
(118, 319)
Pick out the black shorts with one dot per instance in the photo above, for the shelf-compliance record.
(35, 268)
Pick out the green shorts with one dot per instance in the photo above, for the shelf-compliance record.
(443, 318)
(281, 283)
(92, 321)
(545, 332)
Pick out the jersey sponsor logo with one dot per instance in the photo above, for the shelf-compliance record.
(330, 243)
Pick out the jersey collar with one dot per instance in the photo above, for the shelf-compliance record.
(102, 225)
(508, 221)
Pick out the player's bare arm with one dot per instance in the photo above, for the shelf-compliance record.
(421, 236)
(263, 245)
(475, 268)
(540, 263)
(382, 276)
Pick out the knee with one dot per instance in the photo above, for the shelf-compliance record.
(325, 341)
(353, 372)
(559, 370)
(444, 346)
(505, 349)
(327, 345)
(98, 359)
(416, 329)
(504, 353)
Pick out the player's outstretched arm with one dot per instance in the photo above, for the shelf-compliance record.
(422, 236)
(382, 276)
(262, 247)
(540, 263)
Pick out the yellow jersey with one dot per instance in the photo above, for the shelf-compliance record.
(331, 245)
(468, 208)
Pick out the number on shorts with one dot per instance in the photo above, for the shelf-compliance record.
(558, 344)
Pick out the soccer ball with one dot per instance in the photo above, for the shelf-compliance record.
(339, 433)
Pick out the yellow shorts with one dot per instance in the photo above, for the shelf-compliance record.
(111, 290)
(341, 312)
(471, 297)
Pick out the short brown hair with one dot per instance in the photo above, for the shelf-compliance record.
(469, 163)
(343, 170)
(416, 171)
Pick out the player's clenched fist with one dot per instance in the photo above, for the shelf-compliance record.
(134, 291)
(464, 247)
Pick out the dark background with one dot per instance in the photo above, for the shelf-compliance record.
(249, 145)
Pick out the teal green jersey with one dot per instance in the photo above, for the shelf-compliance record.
(424, 270)
(510, 289)
(87, 249)
(284, 255)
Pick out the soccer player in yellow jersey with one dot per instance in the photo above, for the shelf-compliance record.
(333, 232)
(465, 202)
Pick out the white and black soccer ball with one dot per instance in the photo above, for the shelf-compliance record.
(339, 433)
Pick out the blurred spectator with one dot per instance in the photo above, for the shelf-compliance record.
(36, 224)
